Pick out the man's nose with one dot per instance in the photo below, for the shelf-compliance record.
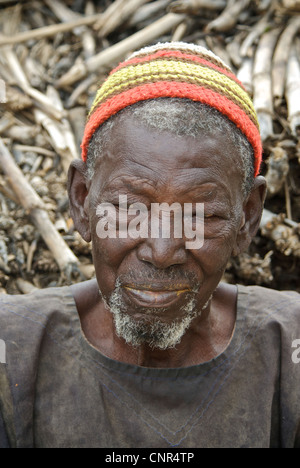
(162, 253)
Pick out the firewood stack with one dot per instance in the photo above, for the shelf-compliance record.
(53, 54)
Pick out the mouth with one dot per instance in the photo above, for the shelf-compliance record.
(156, 296)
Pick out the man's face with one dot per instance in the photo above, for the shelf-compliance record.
(156, 283)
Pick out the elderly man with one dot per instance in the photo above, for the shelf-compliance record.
(156, 351)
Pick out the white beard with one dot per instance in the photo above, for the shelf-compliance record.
(155, 333)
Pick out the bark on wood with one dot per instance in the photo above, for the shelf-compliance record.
(195, 6)
(245, 74)
(119, 50)
(281, 56)
(35, 208)
(291, 4)
(229, 17)
(48, 31)
(286, 238)
(278, 169)
(292, 92)
(262, 84)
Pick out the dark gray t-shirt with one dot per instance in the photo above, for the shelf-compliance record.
(56, 390)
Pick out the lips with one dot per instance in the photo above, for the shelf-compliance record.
(156, 296)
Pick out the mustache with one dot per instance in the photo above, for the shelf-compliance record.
(172, 275)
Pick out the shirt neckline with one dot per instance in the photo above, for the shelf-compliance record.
(92, 354)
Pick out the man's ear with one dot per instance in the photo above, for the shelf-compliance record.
(78, 189)
(252, 212)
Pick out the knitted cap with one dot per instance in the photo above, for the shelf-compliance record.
(179, 70)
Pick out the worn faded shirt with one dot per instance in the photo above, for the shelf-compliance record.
(58, 391)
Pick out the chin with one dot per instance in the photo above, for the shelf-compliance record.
(148, 329)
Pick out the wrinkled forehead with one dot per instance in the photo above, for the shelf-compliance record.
(179, 117)
(137, 152)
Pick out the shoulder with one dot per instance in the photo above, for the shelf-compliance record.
(34, 328)
(273, 315)
(265, 301)
(24, 315)
(34, 325)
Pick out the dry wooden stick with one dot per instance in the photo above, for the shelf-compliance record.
(229, 16)
(49, 31)
(194, 6)
(233, 49)
(116, 52)
(34, 206)
(124, 13)
(3, 2)
(215, 46)
(291, 4)
(147, 11)
(35, 149)
(81, 88)
(262, 85)
(6, 122)
(65, 14)
(30, 254)
(278, 169)
(282, 231)
(56, 124)
(288, 204)
(58, 140)
(25, 134)
(245, 72)
(25, 286)
(180, 31)
(111, 11)
(292, 91)
(62, 11)
(43, 101)
(8, 193)
(263, 5)
(281, 56)
(65, 125)
(256, 31)
(16, 100)
(254, 268)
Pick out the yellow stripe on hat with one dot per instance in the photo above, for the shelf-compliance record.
(164, 70)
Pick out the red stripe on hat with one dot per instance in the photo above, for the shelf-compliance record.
(179, 90)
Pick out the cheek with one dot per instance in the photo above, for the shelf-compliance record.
(214, 254)
(111, 252)
(111, 258)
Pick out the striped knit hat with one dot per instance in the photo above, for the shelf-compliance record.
(180, 70)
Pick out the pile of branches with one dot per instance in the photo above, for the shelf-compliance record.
(53, 54)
